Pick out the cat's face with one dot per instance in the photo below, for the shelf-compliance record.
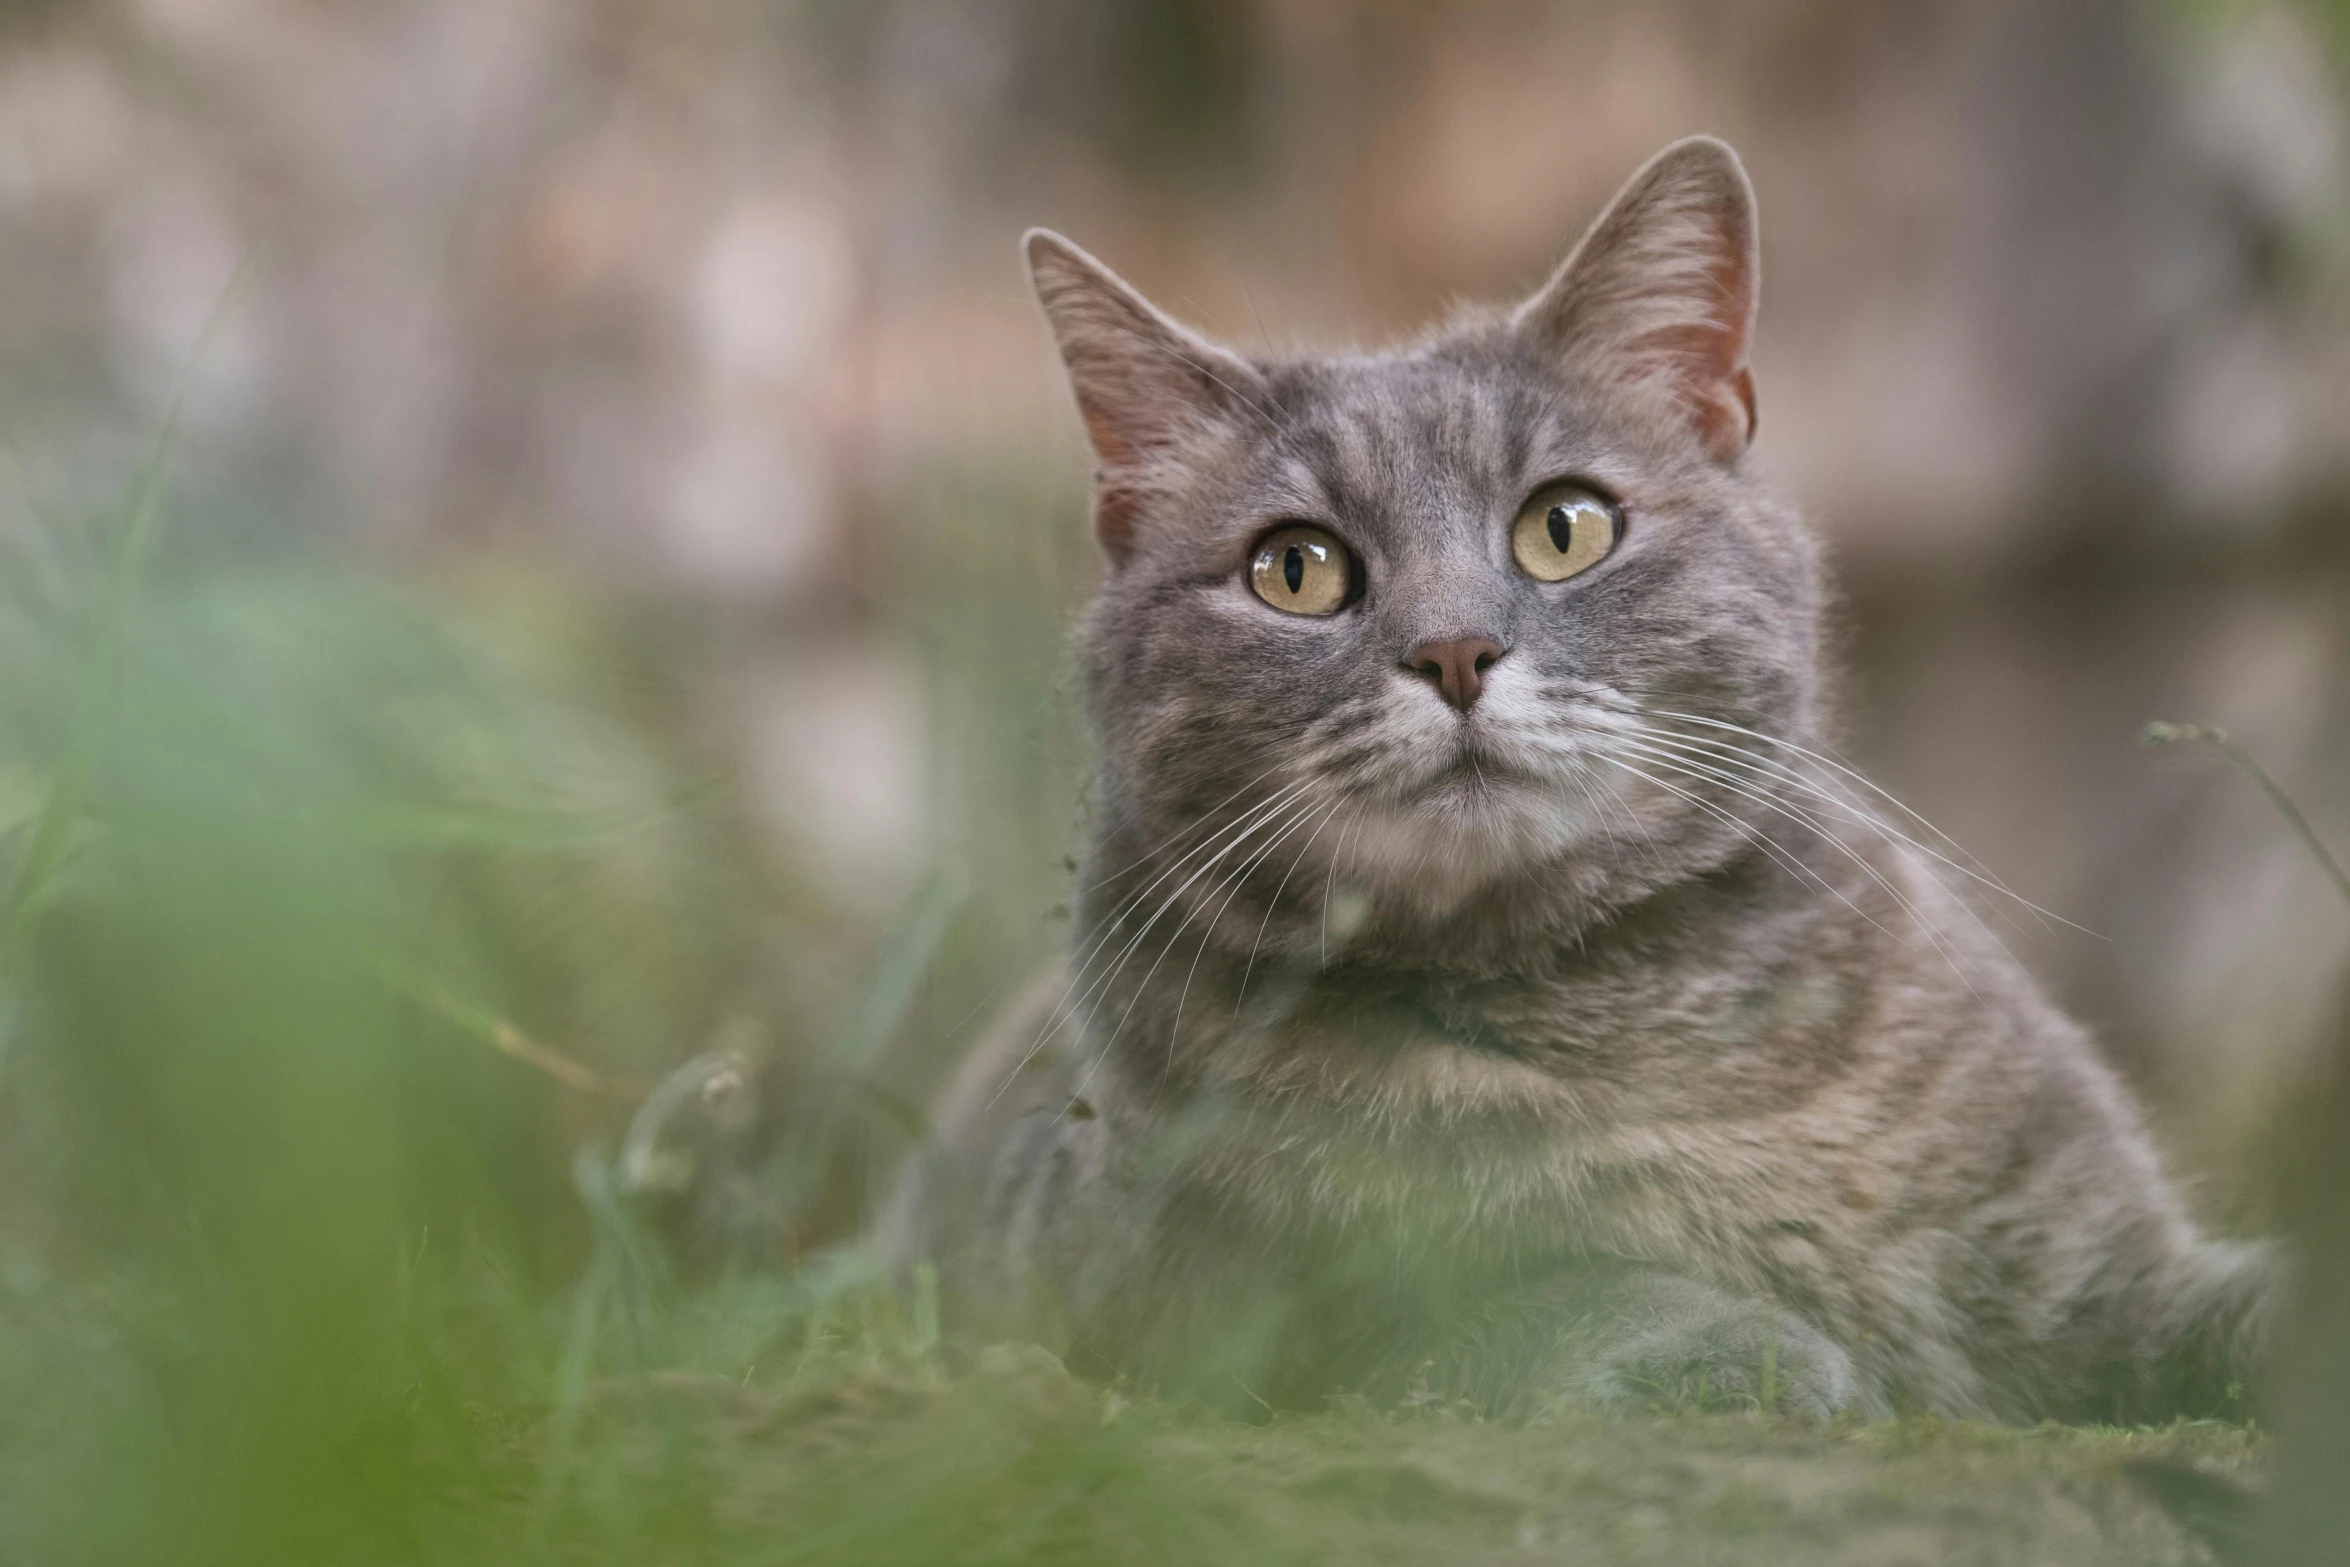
(1443, 628)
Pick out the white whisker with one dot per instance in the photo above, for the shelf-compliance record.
(1660, 758)
(1925, 926)
(1330, 881)
(1886, 795)
(1195, 824)
(1064, 1011)
(1851, 810)
(1100, 1052)
(1207, 934)
(1248, 968)
(1752, 834)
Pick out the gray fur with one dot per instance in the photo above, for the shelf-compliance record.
(1602, 1040)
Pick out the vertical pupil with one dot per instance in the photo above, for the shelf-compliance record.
(1293, 567)
(1562, 528)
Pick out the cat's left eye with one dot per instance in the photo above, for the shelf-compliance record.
(1563, 530)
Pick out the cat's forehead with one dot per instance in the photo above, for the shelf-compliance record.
(1374, 425)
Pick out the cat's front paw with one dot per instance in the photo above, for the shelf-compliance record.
(1723, 1356)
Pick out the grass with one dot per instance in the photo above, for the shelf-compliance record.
(1073, 1475)
(773, 1420)
(1014, 1462)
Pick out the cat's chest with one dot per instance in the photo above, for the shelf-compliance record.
(1586, 1050)
(1496, 1124)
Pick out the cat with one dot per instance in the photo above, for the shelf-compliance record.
(1485, 986)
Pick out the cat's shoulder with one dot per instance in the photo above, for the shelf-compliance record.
(1022, 1065)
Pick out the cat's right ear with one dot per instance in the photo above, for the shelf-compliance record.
(1150, 390)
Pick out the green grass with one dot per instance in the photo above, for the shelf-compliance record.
(801, 1420)
(1016, 1463)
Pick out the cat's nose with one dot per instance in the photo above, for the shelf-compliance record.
(1456, 666)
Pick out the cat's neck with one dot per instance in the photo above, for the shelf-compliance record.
(1167, 980)
(1529, 924)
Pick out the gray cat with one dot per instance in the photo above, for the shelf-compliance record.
(1485, 986)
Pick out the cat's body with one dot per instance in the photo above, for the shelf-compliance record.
(1484, 982)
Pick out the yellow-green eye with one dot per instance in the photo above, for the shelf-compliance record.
(1302, 570)
(1563, 530)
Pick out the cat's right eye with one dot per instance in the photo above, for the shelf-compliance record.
(1302, 570)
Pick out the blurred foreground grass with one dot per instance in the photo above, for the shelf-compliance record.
(771, 1421)
(349, 933)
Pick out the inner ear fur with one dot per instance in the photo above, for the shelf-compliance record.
(1149, 389)
(1661, 291)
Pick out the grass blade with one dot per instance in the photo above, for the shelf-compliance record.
(2162, 733)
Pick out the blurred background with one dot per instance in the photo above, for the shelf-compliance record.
(610, 516)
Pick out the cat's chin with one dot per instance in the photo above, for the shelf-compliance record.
(1465, 832)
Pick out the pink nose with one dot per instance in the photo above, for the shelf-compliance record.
(1456, 666)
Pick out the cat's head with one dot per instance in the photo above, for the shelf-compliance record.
(1439, 631)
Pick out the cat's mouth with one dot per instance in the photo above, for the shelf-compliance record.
(1451, 804)
(1482, 757)
(1474, 766)
(1464, 819)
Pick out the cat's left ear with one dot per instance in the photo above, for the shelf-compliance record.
(1660, 292)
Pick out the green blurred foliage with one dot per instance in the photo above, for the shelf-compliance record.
(412, 1031)
(290, 854)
